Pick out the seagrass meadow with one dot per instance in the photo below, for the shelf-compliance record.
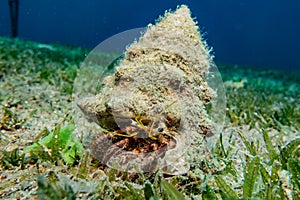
(256, 156)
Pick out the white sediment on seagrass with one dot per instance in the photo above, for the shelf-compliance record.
(162, 80)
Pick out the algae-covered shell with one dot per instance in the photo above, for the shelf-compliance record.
(151, 110)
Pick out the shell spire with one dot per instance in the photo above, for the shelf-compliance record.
(176, 33)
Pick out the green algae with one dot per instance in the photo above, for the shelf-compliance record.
(61, 143)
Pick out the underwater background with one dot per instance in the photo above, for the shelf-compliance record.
(253, 33)
(256, 155)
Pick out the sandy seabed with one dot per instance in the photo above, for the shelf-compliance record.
(36, 93)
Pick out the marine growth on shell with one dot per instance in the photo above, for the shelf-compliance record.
(151, 111)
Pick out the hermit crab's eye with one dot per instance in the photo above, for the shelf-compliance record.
(160, 129)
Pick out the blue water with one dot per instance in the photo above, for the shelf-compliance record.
(262, 33)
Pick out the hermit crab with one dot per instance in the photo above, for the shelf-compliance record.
(151, 113)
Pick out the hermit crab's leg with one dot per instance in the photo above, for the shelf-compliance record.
(122, 135)
(139, 119)
(142, 126)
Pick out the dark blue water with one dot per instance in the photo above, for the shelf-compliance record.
(262, 33)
